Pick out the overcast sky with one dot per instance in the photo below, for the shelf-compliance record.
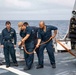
(36, 9)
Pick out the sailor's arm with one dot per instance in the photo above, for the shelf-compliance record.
(39, 39)
(15, 37)
(24, 39)
(55, 31)
(53, 36)
(2, 39)
(38, 43)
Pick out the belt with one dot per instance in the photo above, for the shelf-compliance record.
(8, 40)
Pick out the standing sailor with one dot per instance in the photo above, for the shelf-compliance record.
(8, 37)
(44, 34)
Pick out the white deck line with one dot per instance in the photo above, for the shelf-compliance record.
(14, 70)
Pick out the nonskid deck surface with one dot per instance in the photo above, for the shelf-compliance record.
(65, 65)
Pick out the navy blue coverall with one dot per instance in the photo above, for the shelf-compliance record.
(35, 37)
(6, 40)
(44, 36)
(29, 43)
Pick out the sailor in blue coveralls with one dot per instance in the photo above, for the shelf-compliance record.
(7, 39)
(23, 33)
(44, 34)
(28, 40)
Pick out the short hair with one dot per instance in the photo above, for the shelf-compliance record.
(20, 24)
(8, 22)
(25, 23)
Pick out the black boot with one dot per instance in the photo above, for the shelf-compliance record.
(53, 65)
(7, 66)
(26, 68)
(39, 66)
(16, 64)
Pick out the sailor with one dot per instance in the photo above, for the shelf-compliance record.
(8, 42)
(28, 41)
(34, 31)
(44, 34)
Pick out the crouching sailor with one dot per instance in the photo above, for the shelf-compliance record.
(28, 41)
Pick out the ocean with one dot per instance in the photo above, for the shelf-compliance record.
(62, 25)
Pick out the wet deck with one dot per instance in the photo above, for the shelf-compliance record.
(65, 65)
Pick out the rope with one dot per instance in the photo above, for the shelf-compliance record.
(66, 48)
(35, 47)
